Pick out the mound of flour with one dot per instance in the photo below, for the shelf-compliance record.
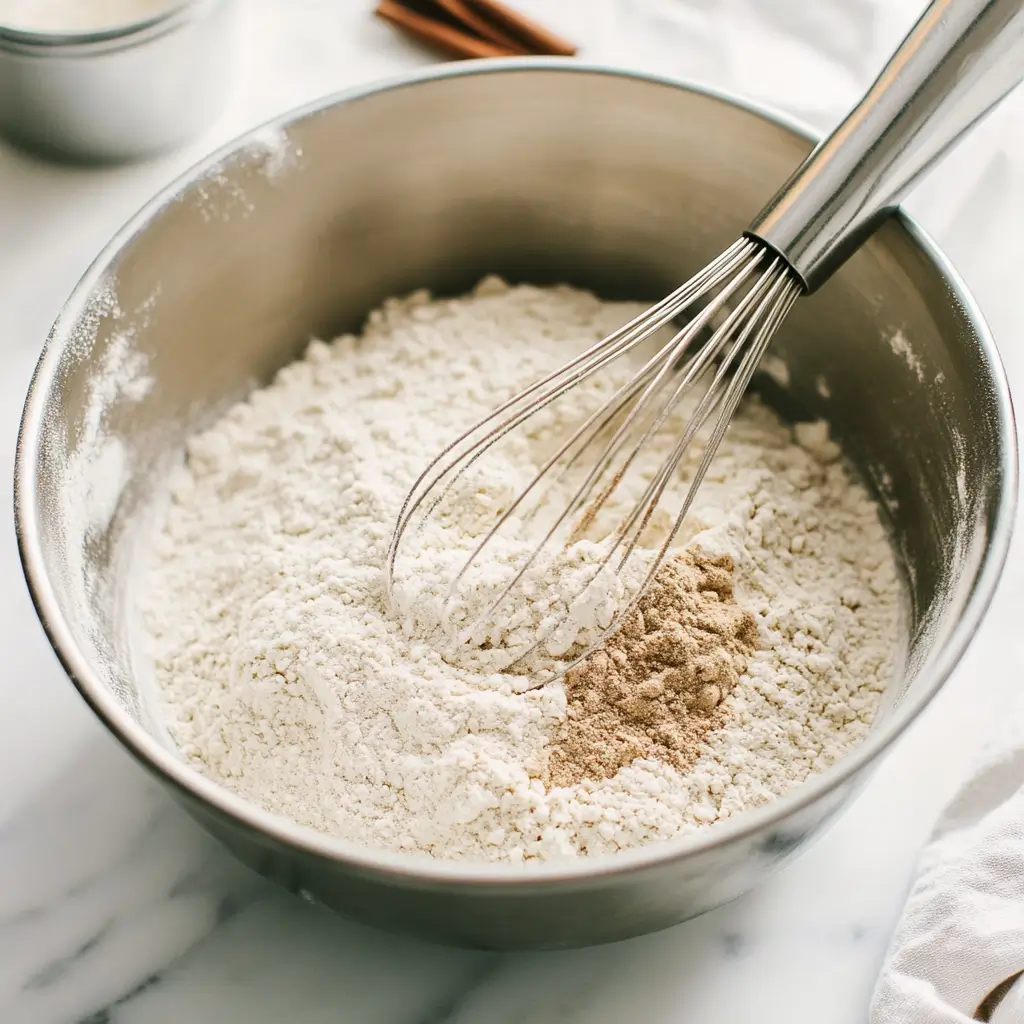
(285, 677)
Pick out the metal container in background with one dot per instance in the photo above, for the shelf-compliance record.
(121, 93)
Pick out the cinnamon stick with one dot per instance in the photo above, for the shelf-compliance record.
(473, 28)
(464, 13)
(430, 30)
(537, 38)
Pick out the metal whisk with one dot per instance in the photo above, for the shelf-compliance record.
(960, 59)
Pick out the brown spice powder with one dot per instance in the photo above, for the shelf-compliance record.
(655, 688)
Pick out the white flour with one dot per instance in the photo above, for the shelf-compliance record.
(287, 681)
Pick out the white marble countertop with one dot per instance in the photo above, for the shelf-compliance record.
(116, 909)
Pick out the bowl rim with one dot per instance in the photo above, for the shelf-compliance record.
(417, 870)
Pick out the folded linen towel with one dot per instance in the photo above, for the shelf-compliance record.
(959, 946)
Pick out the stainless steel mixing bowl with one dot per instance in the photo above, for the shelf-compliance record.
(540, 170)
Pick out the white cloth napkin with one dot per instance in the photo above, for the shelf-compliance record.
(962, 931)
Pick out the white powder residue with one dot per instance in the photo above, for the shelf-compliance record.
(223, 191)
(275, 151)
(99, 467)
(121, 377)
(776, 369)
(286, 678)
(901, 347)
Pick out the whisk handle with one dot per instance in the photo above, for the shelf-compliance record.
(959, 60)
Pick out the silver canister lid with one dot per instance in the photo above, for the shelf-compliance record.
(116, 92)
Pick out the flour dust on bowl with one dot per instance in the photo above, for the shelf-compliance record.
(280, 705)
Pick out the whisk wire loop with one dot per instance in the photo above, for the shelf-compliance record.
(740, 298)
(599, 355)
(763, 323)
(662, 362)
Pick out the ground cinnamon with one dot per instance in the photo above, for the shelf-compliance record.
(656, 687)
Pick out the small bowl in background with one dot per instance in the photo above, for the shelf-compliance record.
(118, 93)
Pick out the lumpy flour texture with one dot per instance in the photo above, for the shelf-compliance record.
(286, 678)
